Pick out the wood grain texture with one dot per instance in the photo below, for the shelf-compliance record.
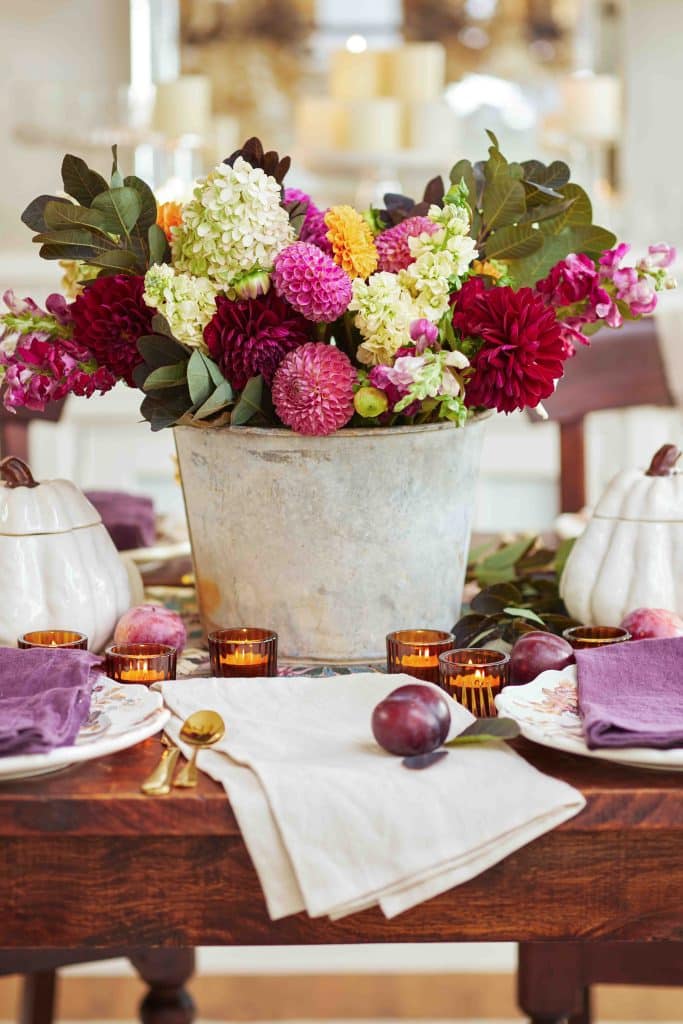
(86, 860)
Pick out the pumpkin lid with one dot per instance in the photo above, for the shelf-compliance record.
(28, 506)
(651, 496)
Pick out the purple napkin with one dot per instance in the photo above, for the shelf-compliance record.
(129, 518)
(44, 698)
(631, 694)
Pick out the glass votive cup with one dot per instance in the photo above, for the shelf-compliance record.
(581, 637)
(473, 677)
(243, 652)
(61, 638)
(416, 652)
(140, 663)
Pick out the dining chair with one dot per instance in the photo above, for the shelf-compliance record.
(620, 369)
(14, 428)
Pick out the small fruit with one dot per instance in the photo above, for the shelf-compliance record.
(151, 624)
(649, 623)
(537, 652)
(413, 719)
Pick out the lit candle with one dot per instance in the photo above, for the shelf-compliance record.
(416, 651)
(474, 677)
(243, 652)
(141, 675)
(59, 638)
(140, 663)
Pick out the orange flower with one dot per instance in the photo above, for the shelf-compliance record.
(484, 268)
(351, 239)
(169, 215)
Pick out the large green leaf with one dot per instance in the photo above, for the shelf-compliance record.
(220, 399)
(165, 408)
(63, 244)
(116, 261)
(34, 214)
(160, 350)
(513, 242)
(546, 211)
(591, 239)
(169, 376)
(249, 402)
(503, 201)
(544, 184)
(120, 207)
(62, 216)
(198, 378)
(527, 271)
(157, 246)
(80, 182)
(146, 221)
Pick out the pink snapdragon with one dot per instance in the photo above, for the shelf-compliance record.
(425, 334)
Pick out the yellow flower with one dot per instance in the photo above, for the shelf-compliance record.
(169, 215)
(74, 273)
(485, 268)
(351, 239)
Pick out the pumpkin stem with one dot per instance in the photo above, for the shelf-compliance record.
(664, 461)
(16, 473)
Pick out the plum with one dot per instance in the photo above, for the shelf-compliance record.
(413, 719)
(536, 652)
(649, 623)
(151, 624)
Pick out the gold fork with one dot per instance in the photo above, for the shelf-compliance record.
(158, 782)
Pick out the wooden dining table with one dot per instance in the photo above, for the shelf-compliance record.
(88, 865)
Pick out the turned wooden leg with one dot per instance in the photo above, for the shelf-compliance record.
(38, 998)
(550, 986)
(585, 1016)
(165, 971)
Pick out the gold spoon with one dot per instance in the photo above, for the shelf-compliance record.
(201, 729)
(158, 782)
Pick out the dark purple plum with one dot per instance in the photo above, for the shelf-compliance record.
(537, 652)
(413, 719)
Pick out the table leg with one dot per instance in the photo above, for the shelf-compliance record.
(550, 986)
(38, 998)
(165, 971)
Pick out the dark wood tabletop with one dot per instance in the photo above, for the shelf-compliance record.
(86, 860)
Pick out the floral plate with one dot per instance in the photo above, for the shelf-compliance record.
(120, 717)
(546, 711)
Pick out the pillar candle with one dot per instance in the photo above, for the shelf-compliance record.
(592, 106)
(374, 125)
(183, 107)
(430, 126)
(355, 76)
(321, 123)
(417, 71)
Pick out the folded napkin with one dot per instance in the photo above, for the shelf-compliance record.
(332, 822)
(631, 695)
(44, 698)
(129, 518)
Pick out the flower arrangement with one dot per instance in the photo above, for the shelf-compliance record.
(249, 304)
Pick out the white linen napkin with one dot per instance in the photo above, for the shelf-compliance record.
(333, 823)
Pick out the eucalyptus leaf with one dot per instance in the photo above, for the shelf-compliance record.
(80, 182)
(198, 379)
(166, 376)
(160, 350)
(220, 399)
(249, 402)
(34, 214)
(214, 370)
(157, 245)
(524, 613)
(160, 325)
(486, 730)
(166, 408)
(121, 208)
(416, 762)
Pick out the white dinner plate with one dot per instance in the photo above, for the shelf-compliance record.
(121, 715)
(547, 712)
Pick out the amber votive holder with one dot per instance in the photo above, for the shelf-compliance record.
(416, 652)
(140, 663)
(243, 652)
(62, 638)
(473, 677)
(583, 637)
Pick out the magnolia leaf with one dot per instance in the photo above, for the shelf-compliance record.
(34, 214)
(524, 613)
(221, 397)
(160, 325)
(165, 408)
(121, 208)
(544, 183)
(486, 730)
(563, 553)
(116, 177)
(80, 182)
(58, 216)
(507, 557)
(116, 261)
(495, 598)
(418, 761)
(513, 242)
(249, 402)
(198, 379)
(74, 243)
(160, 349)
(169, 376)
(472, 630)
(157, 245)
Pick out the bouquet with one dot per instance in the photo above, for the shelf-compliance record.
(249, 304)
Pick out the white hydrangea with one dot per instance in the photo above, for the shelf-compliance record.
(233, 225)
(186, 302)
(384, 311)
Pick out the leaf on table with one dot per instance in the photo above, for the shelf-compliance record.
(417, 762)
(486, 730)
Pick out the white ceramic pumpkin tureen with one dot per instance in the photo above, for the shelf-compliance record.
(631, 553)
(58, 565)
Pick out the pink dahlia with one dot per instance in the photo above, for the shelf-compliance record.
(313, 389)
(252, 336)
(108, 318)
(392, 244)
(522, 349)
(312, 282)
(314, 228)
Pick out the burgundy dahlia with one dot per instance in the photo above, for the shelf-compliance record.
(108, 318)
(252, 336)
(522, 351)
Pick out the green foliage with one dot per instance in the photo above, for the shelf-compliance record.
(112, 227)
(519, 592)
(486, 730)
(249, 404)
(528, 214)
